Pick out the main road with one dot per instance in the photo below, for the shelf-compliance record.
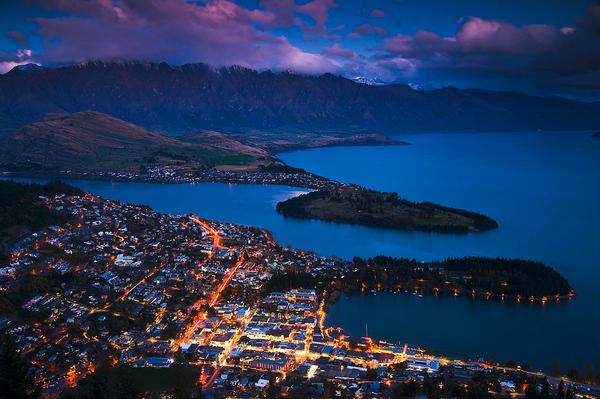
(216, 237)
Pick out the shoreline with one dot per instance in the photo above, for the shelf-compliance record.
(498, 298)
(301, 179)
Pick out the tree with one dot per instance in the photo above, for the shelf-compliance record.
(98, 387)
(531, 391)
(328, 390)
(406, 390)
(431, 386)
(555, 372)
(272, 391)
(560, 393)
(182, 389)
(125, 387)
(570, 394)
(572, 374)
(211, 312)
(371, 374)
(16, 376)
(588, 374)
(545, 389)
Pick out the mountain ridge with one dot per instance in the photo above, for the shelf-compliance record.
(90, 141)
(182, 99)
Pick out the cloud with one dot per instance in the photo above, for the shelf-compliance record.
(501, 53)
(18, 38)
(284, 12)
(218, 32)
(318, 10)
(377, 13)
(337, 51)
(367, 29)
(352, 64)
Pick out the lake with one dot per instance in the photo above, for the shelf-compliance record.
(543, 189)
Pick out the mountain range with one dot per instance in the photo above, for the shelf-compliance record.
(187, 98)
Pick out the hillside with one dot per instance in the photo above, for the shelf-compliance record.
(279, 141)
(219, 141)
(379, 209)
(21, 211)
(181, 99)
(92, 141)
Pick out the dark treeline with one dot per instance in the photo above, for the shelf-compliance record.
(291, 280)
(483, 385)
(30, 285)
(123, 382)
(21, 210)
(17, 380)
(480, 222)
(19, 203)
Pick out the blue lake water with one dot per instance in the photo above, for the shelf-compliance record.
(543, 188)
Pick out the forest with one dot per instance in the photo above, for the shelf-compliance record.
(21, 210)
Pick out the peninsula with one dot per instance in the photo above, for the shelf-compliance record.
(476, 276)
(356, 205)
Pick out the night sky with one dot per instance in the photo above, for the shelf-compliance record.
(549, 47)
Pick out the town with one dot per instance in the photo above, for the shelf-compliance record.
(272, 174)
(123, 285)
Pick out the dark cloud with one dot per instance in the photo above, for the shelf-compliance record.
(18, 38)
(219, 32)
(318, 10)
(541, 55)
(337, 51)
(377, 13)
(284, 12)
(368, 29)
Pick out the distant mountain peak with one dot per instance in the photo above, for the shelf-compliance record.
(372, 81)
(428, 86)
(27, 67)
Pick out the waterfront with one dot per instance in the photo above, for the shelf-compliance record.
(542, 189)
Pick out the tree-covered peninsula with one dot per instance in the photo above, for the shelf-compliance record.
(483, 277)
(357, 205)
